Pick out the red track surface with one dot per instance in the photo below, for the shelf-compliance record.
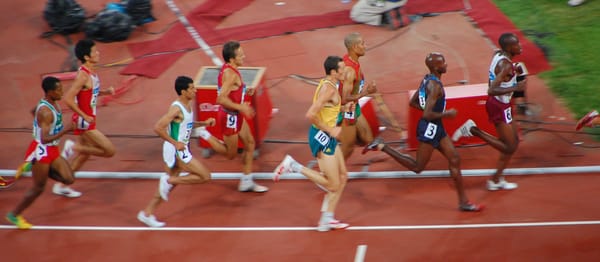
(396, 65)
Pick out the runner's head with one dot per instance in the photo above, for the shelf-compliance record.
(355, 44)
(233, 53)
(183, 83)
(85, 50)
(52, 88)
(436, 63)
(509, 43)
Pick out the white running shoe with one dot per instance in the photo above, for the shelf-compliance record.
(331, 224)
(149, 220)
(164, 187)
(575, 2)
(201, 132)
(65, 191)
(284, 167)
(463, 130)
(67, 151)
(502, 184)
(251, 186)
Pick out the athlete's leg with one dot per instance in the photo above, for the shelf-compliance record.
(40, 176)
(348, 139)
(61, 171)
(449, 151)
(249, 146)
(364, 130)
(337, 169)
(198, 173)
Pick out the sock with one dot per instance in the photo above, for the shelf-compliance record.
(246, 178)
(326, 216)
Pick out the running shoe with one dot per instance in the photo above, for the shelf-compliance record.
(586, 120)
(149, 220)
(65, 191)
(372, 146)
(502, 184)
(164, 187)
(463, 130)
(470, 207)
(18, 221)
(284, 167)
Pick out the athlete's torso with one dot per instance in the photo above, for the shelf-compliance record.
(55, 127)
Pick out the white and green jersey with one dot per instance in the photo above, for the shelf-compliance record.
(181, 131)
(55, 128)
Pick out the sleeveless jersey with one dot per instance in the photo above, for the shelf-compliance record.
(87, 99)
(328, 114)
(505, 98)
(440, 103)
(181, 131)
(55, 127)
(236, 96)
(359, 79)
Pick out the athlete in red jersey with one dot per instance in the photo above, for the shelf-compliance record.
(43, 151)
(353, 87)
(82, 98)
(235, 108)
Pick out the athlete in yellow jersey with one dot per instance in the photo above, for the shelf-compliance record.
(322, 138)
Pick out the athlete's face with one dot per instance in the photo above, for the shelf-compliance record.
(339, 73)
(94, 55)
(57, 93)
(441, 65)
(360, 47)
(515, 48)
(190, 92)
(239, 57)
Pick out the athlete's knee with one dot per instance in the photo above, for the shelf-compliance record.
(109, 151)
(454, 160)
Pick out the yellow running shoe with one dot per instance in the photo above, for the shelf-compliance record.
(25, 167)
(18, 221)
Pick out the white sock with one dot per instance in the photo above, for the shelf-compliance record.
(246, 178)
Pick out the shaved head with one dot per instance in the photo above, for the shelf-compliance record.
(432, 59)
(352, 39)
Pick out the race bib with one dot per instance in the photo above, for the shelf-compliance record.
(322, 138)
(349, 115)
(430, 131)
(508, 115)
(41, 151)
(231, 121)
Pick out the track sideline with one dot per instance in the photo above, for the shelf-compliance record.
(351, 175)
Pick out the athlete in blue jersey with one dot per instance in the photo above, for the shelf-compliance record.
(431, 99)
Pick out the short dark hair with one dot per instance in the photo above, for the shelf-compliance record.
(49, 83)
(506, 39)
(229, 50)
(331, 63)
(84, 48)
(182, 83)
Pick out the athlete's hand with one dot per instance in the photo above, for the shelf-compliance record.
(179, 146)
(521, 85)
(247, 110)
(250, 91)
(350, 107)
(371, 87)
(88, 119)
(210, 121)
(110, 91)
(451, 113)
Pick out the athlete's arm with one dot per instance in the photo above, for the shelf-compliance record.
(504, 70)
(230, 79)
(414, 101)
(434, 91)
(45, 118)
(76, 87)
(108, 91)
(325, 95)
(208, 122)
(160, 128)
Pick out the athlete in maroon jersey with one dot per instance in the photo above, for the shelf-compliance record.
(235, 108)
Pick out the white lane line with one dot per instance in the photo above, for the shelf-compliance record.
(193, 33)
(361, 251)
(355, 228)
(378, 174)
